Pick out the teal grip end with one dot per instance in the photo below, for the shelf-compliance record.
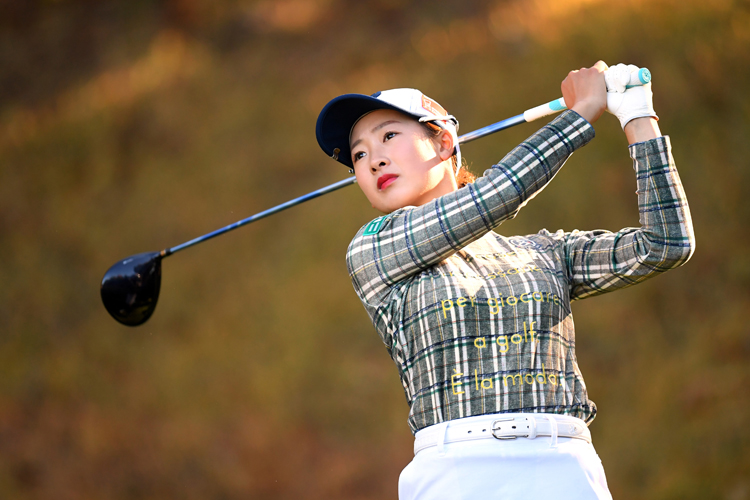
(644, 75)
(556, 105)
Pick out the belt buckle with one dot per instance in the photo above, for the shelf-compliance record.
(495, 429)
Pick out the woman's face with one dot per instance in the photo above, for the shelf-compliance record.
(397, 164)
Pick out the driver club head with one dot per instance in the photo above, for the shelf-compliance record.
(130, 288)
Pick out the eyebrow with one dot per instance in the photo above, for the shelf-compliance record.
(378, 127)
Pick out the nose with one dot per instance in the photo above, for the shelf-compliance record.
(377, 164)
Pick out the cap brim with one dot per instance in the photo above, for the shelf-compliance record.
(336, 120)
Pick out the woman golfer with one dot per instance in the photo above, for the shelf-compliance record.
(480, 324)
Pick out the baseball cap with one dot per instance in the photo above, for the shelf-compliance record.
(338, 117)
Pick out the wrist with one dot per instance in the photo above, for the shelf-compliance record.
(590, 110)
(642, 129)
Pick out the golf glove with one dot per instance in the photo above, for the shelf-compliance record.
(627, 103)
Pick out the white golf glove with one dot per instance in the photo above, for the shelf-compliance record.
(627, 103)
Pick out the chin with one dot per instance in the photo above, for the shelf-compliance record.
(386, 209)
(388, 204)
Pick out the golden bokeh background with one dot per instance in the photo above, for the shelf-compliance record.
(131, 126)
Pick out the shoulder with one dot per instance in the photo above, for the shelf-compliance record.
(372, 231)
(375, 226)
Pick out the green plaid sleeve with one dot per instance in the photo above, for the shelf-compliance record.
(412, 239)
(601, 261)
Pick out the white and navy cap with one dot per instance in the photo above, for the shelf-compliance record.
(338, 117)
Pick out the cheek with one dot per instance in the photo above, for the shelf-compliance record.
(363, 176)
(366, 184)
(429, 178)
(360, 177)
(425, 150)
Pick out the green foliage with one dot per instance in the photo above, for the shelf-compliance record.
(132, 126)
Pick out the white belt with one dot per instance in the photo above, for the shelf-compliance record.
(502, 426)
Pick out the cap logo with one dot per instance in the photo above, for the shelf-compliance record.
(432, 106)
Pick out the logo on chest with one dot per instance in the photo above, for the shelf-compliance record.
(496, 304)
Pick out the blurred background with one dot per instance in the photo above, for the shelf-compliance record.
(131, 126)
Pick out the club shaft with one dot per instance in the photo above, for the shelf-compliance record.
(490, 129)
(266, 213)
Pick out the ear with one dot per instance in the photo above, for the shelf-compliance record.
(446, 146)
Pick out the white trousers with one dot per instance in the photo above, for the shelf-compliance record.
(491, 469)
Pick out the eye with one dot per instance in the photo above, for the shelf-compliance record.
(358, 156)
(388, 136)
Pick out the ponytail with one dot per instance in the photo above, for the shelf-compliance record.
(464, 177)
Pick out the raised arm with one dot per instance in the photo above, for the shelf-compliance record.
(601, 261)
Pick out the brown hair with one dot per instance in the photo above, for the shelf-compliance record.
(463, 177)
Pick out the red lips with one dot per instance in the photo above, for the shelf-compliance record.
(386, 180)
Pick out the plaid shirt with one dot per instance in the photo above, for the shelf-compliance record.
(481, 323)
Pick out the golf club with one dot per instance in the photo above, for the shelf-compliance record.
(130, 288)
